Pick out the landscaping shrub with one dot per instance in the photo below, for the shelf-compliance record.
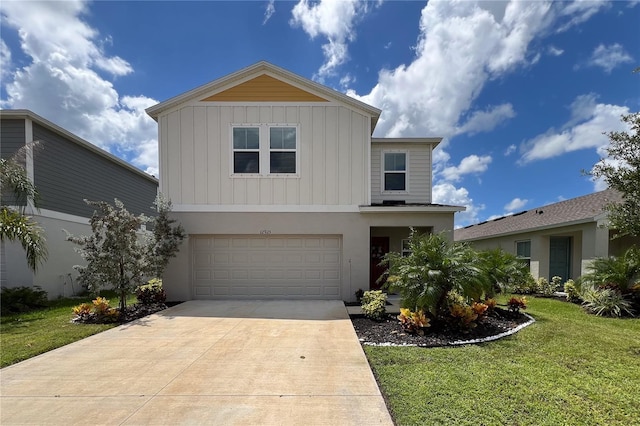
(435, 267)
(573, 291)
(151, 293)
(374, 304)
(503, 270)
(516, 303)
(99, 311)
(22, 299)
(413, 322)
(606, 302)
(528, 286)
(546, 288)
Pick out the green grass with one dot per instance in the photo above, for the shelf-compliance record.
(26, 335)
(569, 368)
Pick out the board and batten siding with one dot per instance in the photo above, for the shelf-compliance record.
(419, 171)
(195, 144)
(66, 173)
(12, 138)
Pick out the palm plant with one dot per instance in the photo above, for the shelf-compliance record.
(434, 268)
(15, 225)
(503, 270)
(621, 273)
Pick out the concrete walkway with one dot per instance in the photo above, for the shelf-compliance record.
(204, 362)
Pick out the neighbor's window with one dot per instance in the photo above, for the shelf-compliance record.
(406, 248)
(523, 251)
(246, 150)
(282, 150)
(395, 171)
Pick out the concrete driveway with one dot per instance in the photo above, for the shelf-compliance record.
(204, 362)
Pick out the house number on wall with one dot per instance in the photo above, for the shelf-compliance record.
(265, 232)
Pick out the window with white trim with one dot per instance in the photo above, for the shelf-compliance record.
(282, 150)
(246, 150)
(523, 251)
(394, 171)
(264, 149)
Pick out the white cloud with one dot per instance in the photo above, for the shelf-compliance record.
(269, 11)
(516, 204)
(609, 57)
(484, 121)
(554, 51)
(5, 61)
(577, 12)
(446, 193)
(589, 120)
(468, 165)
(510, 150)
(333, 19)
(63, 83)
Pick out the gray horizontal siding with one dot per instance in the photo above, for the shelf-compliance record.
(12, 138)
(67, 173)
(419, 169)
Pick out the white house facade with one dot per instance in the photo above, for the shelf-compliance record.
(282, 190)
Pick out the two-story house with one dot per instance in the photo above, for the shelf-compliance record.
(282, 190)
(65, 169)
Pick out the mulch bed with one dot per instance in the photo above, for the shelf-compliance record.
(391, 332)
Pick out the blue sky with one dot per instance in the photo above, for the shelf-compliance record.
(520, 91)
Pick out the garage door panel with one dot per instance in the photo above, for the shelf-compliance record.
(266, 266)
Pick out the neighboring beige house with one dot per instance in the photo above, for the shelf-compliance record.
(65, 169)
(282, 190)
(559, 239)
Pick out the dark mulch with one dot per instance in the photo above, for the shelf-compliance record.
(439, 334)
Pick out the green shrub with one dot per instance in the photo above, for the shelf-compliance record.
(606, 302)
(621, 272)
(374, 304)
(22, 299)
(546, 288)
(526, 286)
(503, 271)
(573, 291)
(151, 293)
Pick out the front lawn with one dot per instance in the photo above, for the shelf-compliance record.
(567, 368)
(23, 336)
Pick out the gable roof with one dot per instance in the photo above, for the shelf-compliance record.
(209, 90)
(588, 208)
(23, 114)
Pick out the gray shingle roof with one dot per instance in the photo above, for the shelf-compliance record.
(575, 210)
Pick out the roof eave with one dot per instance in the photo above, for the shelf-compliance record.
(535, 229)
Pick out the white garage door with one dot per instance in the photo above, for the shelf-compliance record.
(270, 266)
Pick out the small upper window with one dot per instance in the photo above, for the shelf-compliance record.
(395, 171)
(246, 150)
(282, 150)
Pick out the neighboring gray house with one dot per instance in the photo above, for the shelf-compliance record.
(559, 239)
(66, 170)
(282, 190)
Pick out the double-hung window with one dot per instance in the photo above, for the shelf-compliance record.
(523, 251)
(394, 171)
(282, 150)
(246, 150)
(264, 149)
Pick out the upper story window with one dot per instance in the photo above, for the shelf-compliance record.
(263, 149)
(394, 171)
(282, 149)
(246, 150)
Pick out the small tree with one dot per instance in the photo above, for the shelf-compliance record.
(115, 252)
(166, 238)
(624, 176)
(15, 225)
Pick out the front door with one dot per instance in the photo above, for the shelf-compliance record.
(378, 248)
(560, 257)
